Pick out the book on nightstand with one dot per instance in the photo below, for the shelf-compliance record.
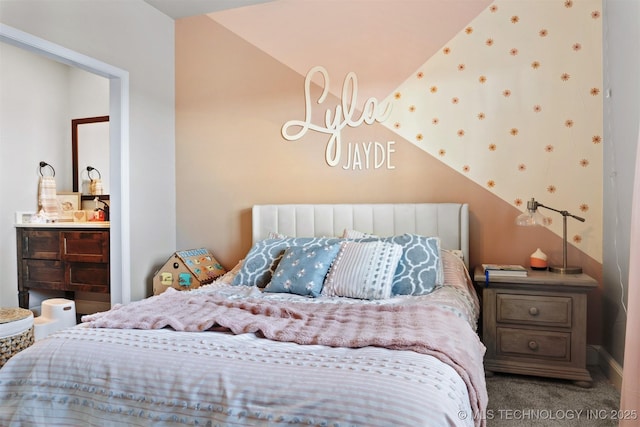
(505, 270)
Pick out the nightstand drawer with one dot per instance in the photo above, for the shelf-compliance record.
(534, 310)
(524, 342)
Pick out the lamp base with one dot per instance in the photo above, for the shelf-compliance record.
(565, 270)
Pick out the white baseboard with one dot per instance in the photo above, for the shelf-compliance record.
(597, 355)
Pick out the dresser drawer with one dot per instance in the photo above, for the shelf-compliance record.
(43, 274)
(534, 310)
(533, 343)
(88, 277)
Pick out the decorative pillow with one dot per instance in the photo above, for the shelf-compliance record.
(355, 234)
(456, 252)
(274, 235)
(302, 269)
(363, 270)
(420, 268)
(262, 259)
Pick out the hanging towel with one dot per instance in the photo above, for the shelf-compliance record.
(95, 187)
(47, 198)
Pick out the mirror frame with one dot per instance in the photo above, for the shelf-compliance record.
(74, 144)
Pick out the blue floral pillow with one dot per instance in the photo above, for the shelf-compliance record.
(263, 258)
(302, 269)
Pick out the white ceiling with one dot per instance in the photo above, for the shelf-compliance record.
(183, 8)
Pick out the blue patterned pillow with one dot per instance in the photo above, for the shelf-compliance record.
(420, 268)
(302, 269)
(263, 258)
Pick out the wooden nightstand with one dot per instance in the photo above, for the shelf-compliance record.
(536, 325)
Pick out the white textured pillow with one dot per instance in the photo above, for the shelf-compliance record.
(355, 234)
(363, 270)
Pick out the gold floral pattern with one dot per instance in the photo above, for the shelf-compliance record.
(525, 104)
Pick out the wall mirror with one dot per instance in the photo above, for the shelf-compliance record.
(90, 149)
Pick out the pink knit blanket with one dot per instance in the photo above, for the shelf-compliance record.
(423, 328)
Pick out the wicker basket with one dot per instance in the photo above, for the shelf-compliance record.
(18, 341)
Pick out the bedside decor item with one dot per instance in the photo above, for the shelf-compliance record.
(504, 270)
(538, 260)
(95, 184)
(533, 217)
(47, 194)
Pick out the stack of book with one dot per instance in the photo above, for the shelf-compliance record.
(505, 270)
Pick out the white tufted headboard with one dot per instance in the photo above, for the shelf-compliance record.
(449, 221)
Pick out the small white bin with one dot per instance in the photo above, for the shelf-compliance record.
(56, 314)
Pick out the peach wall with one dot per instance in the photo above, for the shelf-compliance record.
(232, 99)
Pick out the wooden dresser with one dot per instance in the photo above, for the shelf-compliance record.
(66, 258)
(536, 325)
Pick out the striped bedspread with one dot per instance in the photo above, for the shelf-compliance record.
(129, 377)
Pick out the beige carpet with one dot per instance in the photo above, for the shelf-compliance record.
(516, 400)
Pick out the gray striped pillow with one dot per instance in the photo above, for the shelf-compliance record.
(363, 270)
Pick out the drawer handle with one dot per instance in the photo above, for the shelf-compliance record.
(534, 311)
(533, 345)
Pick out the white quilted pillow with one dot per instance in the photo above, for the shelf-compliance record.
(363, 270)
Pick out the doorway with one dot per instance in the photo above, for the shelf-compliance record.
(120, 268)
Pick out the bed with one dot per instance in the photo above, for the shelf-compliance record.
(339, 315)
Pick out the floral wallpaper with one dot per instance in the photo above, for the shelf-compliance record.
(514, 103)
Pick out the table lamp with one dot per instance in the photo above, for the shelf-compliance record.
(532, 217)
